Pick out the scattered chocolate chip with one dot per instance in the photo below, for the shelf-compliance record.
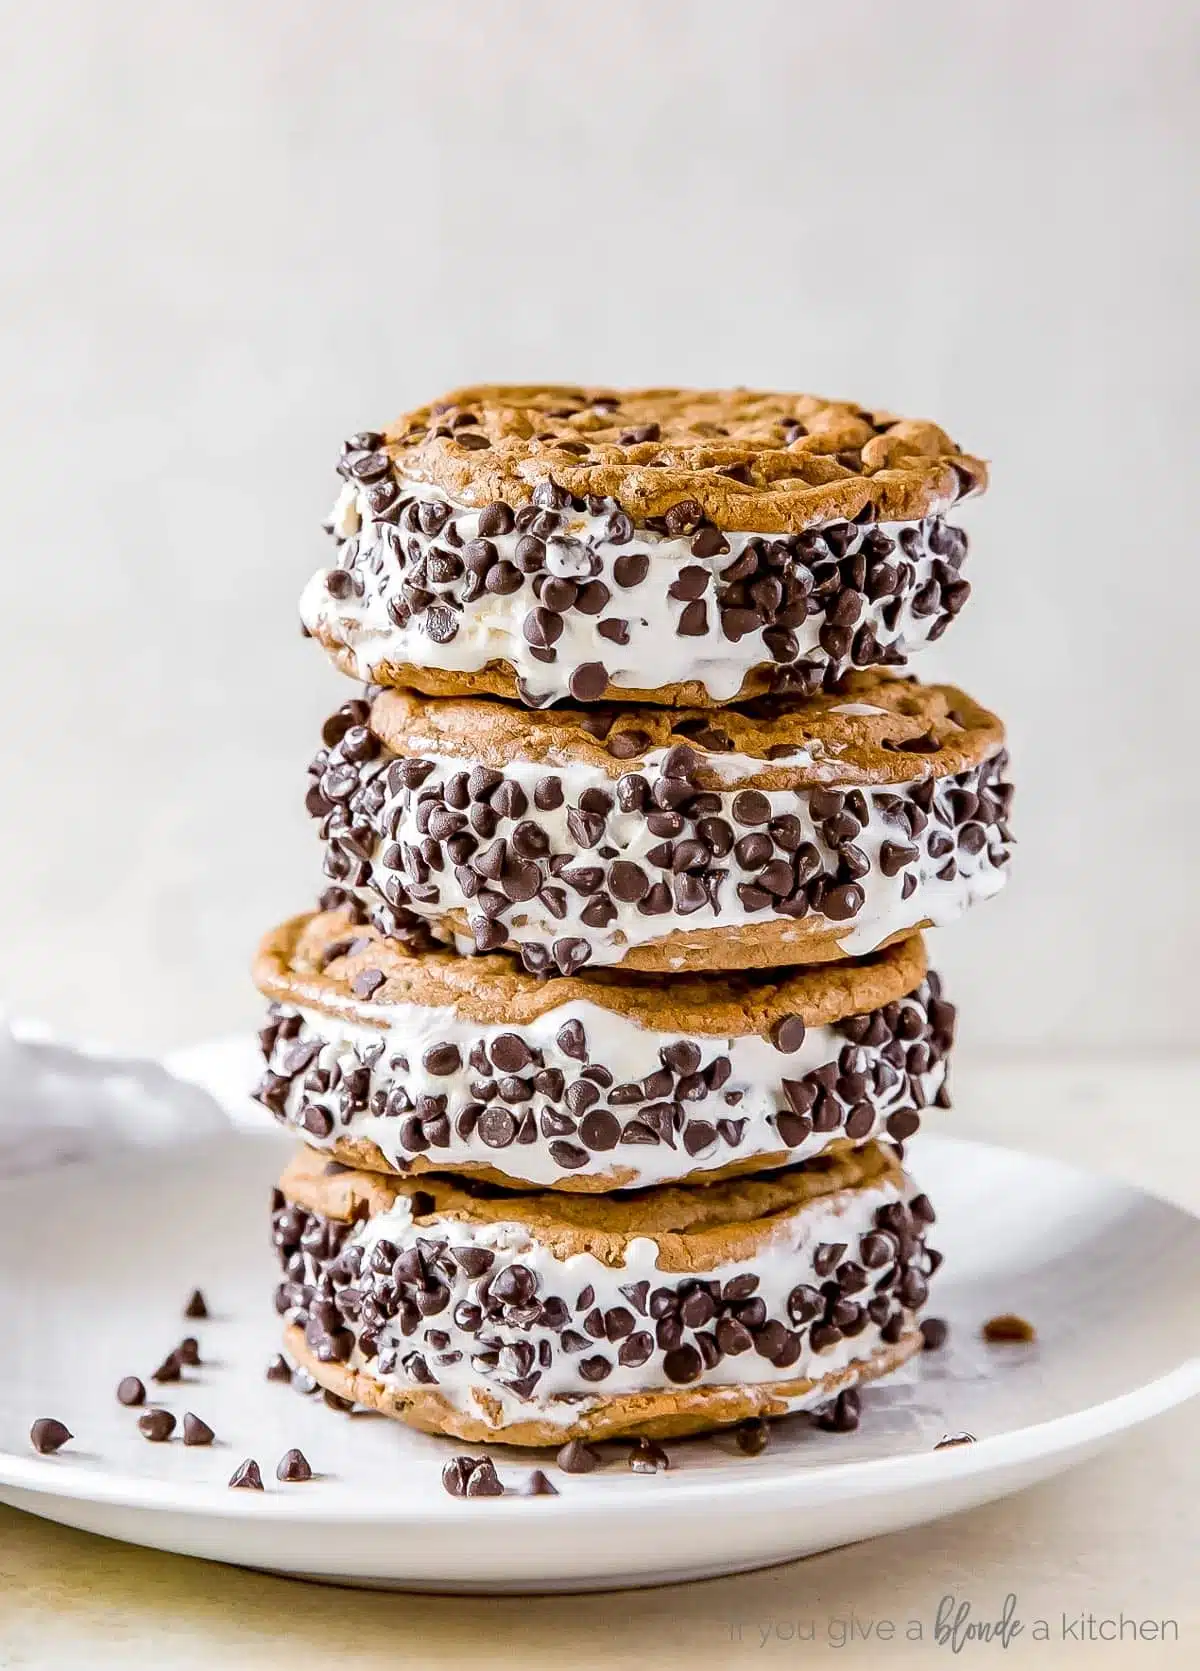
(484, 1481)
(48, 1435)
(455, 1475)
(170, 1369)
(293, 1466)
(196, 1306)
(195, 1431)
(538, 1485)
(935, 1332)
(189, 1351)
(842, 1416)
(156, 1425)
(752, 1437)
(131, 1390)
(246, 1476)
(277, 1370)
(648, 1457)
(950, 1440)
(577, 1458)
(1008, 1329)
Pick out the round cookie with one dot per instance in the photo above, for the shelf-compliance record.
(408, 1059)
(539, 1317)
(782, 832)
(685, 547)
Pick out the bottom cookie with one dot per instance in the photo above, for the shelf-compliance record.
(530, 1318)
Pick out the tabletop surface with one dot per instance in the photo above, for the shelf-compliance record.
(1109, 1548)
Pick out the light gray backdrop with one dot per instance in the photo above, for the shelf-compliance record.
(236, 232)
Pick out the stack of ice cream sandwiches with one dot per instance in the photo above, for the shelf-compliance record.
(614, 1019)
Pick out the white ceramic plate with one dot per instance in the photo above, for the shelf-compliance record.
(97, 1260)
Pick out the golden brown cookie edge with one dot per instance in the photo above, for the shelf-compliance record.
(491, 989)
(666, 1413)
(695, 1229)
(847, 749)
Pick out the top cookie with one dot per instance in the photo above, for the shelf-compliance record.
(684, 547)
(750, 461)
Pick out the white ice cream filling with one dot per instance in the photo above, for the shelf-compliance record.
(391, 1085)
(943, 877)
(464, 628)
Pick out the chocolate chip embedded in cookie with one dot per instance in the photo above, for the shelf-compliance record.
(782, 832)
(585, 1082)
(687, 547)
(535, 1318)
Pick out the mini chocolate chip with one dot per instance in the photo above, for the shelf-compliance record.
(131, 1391)
(903, 1124)
(935, 1332)
(600, 1130)
(538, 1485)
(648, 1457)
(196, 1306)
(495, 519)
(195, 1431)
(542, 627)
(156, 1425)
(548, 794)
(170, 1369)
(683, 1364)
(48, 1435)
(503, 579)
(510, 1053)
(631, 568)
(514, 1284)
(751, 807)
(893, 856)
(589, 681)
(442, 1060)
(572, 1040)
(842, 902)
(787, 1034)
(246, 1476)
(842, 1415)
(293, 1466)
(558, 594)
(497, 1127)
(577, 1458)
(752, 1437)
(456, 1473)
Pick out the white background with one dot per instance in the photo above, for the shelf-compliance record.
(236, 232)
